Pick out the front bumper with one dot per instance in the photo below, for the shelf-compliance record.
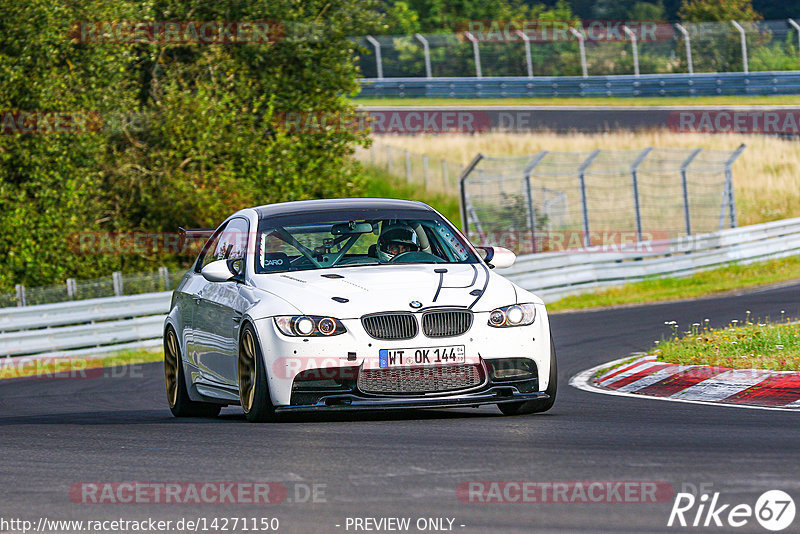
(287, 357)
(355, 402)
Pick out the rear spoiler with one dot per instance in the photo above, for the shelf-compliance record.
(197, 233)
(194, 233)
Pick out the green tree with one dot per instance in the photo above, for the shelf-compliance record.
(192, 131)
(716, 11)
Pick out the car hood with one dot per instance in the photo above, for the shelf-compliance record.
(371, 289)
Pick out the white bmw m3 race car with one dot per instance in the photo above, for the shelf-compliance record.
(353, 304)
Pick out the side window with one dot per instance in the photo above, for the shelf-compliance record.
(233, 243)
(208, 253)
(228, 243)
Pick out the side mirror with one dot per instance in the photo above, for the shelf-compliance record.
(498, 257)
(220, 271)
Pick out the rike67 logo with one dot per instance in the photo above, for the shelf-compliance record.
(774, 510)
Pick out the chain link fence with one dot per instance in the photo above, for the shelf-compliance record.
(434, 174)
(115, 285)
(577, 50)
(564, 200)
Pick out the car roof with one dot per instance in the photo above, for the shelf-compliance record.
(337, 204)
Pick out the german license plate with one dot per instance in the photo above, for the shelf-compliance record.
(421, 356)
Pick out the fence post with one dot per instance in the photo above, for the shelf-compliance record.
(528, 62)
(743, 38)
(685, 186)
(582, 179)
(476, 53)
(116, 279)
(635, 181)
(163, 272)
(445, 181)
(427, 52)
(531, 213)
(408, 166)
(632, 35)
(20, 295)
(425, 168)
(688, 43)
(729, 182)
(582, 48)
(796, 27)
(388, 159)
(374, 42)
(463, 191)
(372, 154)
(71, 288)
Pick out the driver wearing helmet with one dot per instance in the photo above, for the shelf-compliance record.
(396, 239)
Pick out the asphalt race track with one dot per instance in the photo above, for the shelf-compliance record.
(586, 119)
(58, 432)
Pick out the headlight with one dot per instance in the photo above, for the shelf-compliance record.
(514, 315)
(309, 326)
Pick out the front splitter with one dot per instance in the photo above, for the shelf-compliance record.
(350, 402)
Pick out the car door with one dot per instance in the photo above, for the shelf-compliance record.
(219, 311)
(190, 297)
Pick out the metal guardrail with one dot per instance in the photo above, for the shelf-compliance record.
(95, 326)
(553, 275)
(698, 84)
(84, 327)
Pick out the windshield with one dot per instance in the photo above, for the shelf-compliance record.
(338, 240)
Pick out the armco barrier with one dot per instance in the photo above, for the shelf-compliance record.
(84, 327)
(699, 84)
(553, 275)
(97, 326)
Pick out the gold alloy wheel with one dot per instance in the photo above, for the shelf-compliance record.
(247, 371)
(171, 367)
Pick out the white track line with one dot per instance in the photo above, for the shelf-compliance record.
(583, 380)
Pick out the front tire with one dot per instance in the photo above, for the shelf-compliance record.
(536, 406)
(177, 394)
(253, 386)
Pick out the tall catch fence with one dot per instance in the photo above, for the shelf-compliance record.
(593, 48)
(565, 200)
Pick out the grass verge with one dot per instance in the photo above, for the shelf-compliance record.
(777, 100)
(74, 367)
(382, 184)
(729, 278)
(741, 345)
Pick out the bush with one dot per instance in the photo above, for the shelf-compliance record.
(188, 135)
